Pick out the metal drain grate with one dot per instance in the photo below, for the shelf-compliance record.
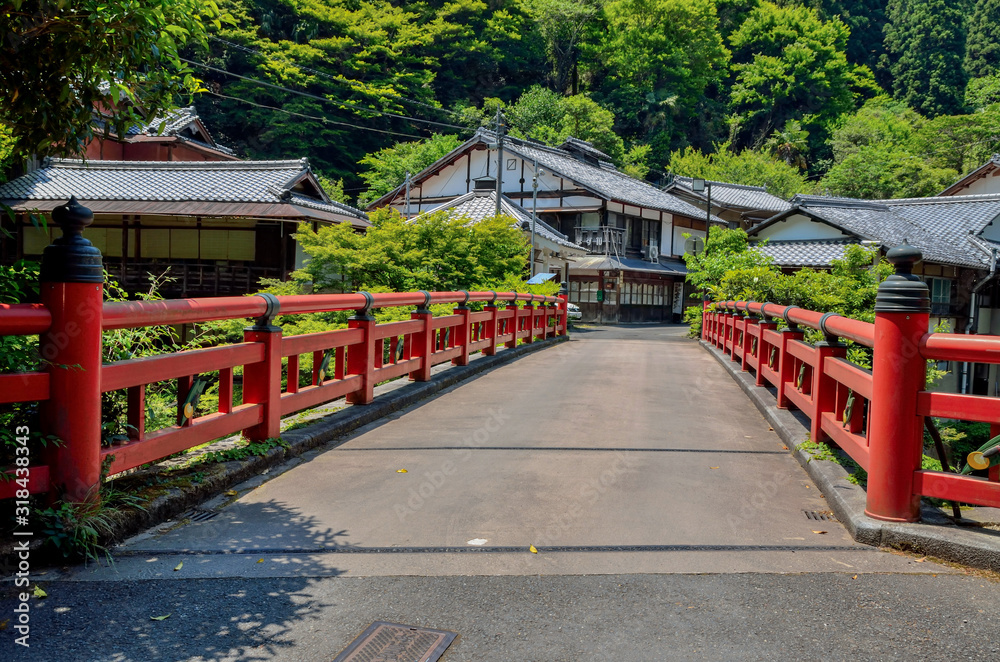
(198, 515)
(391, 642)
(821, 515)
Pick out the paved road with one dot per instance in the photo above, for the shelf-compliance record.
(670, 524)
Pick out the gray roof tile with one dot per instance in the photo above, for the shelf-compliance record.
(819, 253)
(738, 195)
(479, 205)
(208, 181)
(939, 227)
(605, 181)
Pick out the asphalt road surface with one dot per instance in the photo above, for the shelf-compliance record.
(670, 523)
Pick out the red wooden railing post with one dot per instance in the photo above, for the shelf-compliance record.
(786, 363)
(361, 357)
(824, 388)
(421, 345)
(564, 311)
(492, 327)
(463, 331)
(262, 381)
(750, 320)
(705, 316)
(72, 277)
(902, 310)
(529, 309)
(514, 323)
(763, 358)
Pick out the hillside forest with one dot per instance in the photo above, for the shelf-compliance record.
(864, 98)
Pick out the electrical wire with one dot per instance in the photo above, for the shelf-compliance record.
(310, 117)
(254, 51)
(324, 99)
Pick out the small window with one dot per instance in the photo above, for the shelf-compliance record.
(940, 296)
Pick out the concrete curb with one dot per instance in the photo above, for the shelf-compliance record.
(936, 536)
(389, 397)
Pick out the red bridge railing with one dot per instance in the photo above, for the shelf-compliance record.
(875, 416)
(346, 363)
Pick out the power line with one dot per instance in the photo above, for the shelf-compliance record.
(309, 117)
(254, 51)
(324, 99)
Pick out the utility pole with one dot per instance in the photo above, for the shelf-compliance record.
(407, 196)
(534, 213)
(500, 163)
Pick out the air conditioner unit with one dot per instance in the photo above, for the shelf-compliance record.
(654, 253)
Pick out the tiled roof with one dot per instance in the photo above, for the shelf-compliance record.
(738, 195)
(939, 227)
(479, 205)
(606, 182)
(175, 181)
(819, 253)
(173, 124)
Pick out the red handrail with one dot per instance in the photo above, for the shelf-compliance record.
(844, 401)
(358, 357)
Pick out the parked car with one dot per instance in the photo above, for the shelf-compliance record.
(573, 311)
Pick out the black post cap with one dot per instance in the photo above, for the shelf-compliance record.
(903, 292)
(71, 258)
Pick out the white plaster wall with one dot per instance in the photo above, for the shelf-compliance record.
(988, 184)
(802, 228)
(679, 238)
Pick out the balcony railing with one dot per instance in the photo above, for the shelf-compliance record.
(601, 240)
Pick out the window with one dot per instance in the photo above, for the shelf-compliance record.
(940, 296)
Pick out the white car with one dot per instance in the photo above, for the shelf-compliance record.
(573, 311)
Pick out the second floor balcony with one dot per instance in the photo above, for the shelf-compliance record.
(601, 240)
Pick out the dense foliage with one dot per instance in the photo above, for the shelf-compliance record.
(372, 89)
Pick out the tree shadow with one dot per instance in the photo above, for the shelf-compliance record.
(248, 583)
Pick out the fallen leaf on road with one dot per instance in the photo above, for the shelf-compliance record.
(785, 447)
(819, 532)
(854, 577)
(921, 559)
(39, 593)
(232, 493)
(401, 471)
(713, 467)
(179, 566)
(159, 618)
(531, 548)
(260, 560)
(771, 429)
(3, 624)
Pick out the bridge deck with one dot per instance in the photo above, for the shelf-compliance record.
(623, 450)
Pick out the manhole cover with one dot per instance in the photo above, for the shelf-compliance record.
(198, 515)
(391, 642)
(822, 515)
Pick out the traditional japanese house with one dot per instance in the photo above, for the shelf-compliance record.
(212, 227)
(958, 236)
(633, 233)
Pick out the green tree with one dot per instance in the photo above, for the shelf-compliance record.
(62, 60)
(745, 167)
(790, 65)
(883, 170)
(880, 121)
(960, 142)
(982, 92)
(925, 43)
(790, 144)
(655, 60)
(982, 54)
(387, 168)
(441, 252)
(563, 25)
